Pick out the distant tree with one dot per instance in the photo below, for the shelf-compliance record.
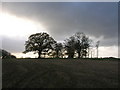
(5, 54)
(82, 44)
(58, 47)
(78, 43)
(70, 46)
(12, 56)
(97, 45)
(52, 53)
(39, 42)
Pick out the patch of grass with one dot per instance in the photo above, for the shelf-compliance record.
(59, 73)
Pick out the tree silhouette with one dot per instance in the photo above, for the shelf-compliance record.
(39, 42)
(70, 46)
(58, 48)
(97, 45)
(52, 53)
(82, 44)
(79, 43)
(5, 54)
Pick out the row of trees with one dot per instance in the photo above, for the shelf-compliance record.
(75, 46)
(5, 54)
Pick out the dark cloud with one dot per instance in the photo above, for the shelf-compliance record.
(64, 19)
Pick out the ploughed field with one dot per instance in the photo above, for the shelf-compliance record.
(59, 73)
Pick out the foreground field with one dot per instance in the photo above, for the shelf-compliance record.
(59, 73)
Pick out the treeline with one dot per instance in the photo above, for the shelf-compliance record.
(5, 54)
(76, 46)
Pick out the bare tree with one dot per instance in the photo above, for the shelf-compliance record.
(97, 45)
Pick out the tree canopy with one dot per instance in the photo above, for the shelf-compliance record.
(5, 54)
(79, 43)
(58, 48)
(39, 42)
(82, 44)
(70, 46)
(76, 45)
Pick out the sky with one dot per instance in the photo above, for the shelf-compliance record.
(98, 20)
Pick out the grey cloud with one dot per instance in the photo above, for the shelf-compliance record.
(109, 42)
(64, 19)
(12, 44)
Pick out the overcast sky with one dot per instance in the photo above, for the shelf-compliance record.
(98, 20)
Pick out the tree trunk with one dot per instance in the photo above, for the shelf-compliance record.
(57, 54)
(78, 54)
(39, 53)
(71, 55)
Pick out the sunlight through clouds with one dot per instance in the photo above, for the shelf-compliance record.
(14, 26)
